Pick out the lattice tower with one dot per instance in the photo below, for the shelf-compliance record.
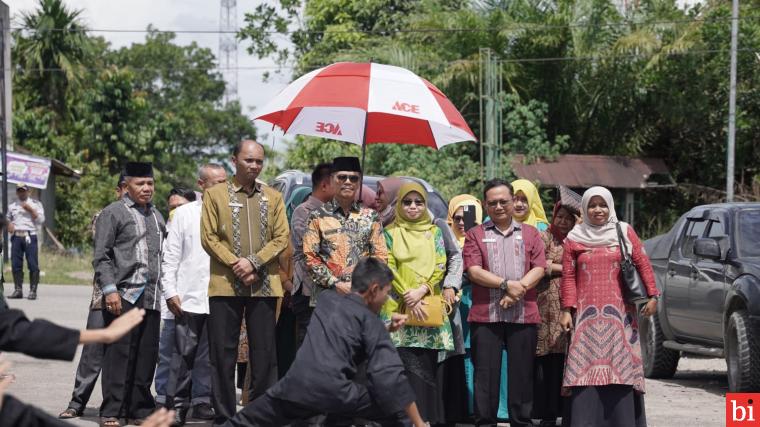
(228, 58)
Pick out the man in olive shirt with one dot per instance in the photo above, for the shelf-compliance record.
(243, 228)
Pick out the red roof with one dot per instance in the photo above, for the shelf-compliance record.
(578, 170)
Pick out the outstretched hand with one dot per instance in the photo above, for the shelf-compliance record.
(160, 418)
(5, 380)
(123, 324)
(398, 320)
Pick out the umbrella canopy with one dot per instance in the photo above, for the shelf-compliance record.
(367, 103)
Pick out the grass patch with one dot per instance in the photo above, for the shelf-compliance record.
(59, 269)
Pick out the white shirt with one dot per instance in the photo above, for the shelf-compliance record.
(186, 265)
(22, 219)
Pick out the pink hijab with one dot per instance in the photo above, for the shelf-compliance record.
(391, 186)
(368, 197)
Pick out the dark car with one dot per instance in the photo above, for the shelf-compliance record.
(708, 270)
(289, 180)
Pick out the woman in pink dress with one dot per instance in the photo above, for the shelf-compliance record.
(603, 371)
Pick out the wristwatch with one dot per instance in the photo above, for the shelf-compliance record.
(503, 284)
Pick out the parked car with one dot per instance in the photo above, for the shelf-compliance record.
(708, 270)
(288, 181)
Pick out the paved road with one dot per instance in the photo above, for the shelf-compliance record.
(695, 397)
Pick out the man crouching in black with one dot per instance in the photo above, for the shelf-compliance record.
(345, 332)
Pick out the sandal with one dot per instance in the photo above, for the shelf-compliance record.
(109, 422)
(69, 413)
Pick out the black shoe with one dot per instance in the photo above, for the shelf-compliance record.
(203, 411)
(32, 295)
(180, 417)
(17, 294)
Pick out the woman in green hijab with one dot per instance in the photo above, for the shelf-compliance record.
(417, 257)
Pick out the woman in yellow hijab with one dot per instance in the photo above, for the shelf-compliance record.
(417, 257)
(456, 214)
(527, 205)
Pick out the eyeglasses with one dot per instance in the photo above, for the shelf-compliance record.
(494, 203)
(417, 202)
(343, 177)
(458, 218)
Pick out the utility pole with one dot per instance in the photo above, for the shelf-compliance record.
(491, 115)
(5, 108)
(732, 103)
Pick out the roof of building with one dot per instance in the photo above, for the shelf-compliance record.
(583, 171)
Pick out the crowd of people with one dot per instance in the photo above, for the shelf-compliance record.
(349, 308)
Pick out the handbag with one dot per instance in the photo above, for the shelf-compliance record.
(634, 291)
(434, 307)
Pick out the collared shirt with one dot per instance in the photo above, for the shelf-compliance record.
(186, 264)
(335, 241)
(509, 254)
(299, 222)
(127, 255)
(236, 224)
(22, 219)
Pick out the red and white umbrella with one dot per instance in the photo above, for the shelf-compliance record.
(367, 103)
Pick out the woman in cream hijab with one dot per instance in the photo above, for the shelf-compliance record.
(604, 371)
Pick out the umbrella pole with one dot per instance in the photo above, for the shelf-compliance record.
(364, 155)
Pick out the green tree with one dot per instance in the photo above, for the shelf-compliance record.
(51, 52)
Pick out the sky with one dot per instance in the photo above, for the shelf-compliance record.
(179, 15)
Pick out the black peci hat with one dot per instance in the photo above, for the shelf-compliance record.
(349, 164)
(138, 169)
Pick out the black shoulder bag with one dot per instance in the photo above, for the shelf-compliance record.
(634, 291)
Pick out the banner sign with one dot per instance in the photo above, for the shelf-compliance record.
(30, 170)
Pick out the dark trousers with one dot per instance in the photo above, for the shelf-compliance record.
(614, 405)
(302, 312)
(128, 367)
(19, 249)
(285, 337)
(190, 332)
(226, 315)
(547, 386)
(487, 341)
(90, 363)
(268, 411)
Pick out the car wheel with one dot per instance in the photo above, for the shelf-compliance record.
(659, 362)
(742, 354)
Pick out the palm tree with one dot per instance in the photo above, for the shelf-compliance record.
(51, 50)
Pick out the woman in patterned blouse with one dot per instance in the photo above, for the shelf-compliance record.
(417, 257)
(552, 340)
(604, 371)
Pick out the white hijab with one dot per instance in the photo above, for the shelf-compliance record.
(599, 235)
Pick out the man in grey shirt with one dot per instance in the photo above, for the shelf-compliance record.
(321, 192)
(128, 237)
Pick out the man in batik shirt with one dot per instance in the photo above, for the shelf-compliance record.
(341, 232)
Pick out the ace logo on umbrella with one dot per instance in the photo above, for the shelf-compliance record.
(327, 127)
(407, 108)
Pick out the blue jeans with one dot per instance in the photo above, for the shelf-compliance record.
(19, 248)
(201, 375)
